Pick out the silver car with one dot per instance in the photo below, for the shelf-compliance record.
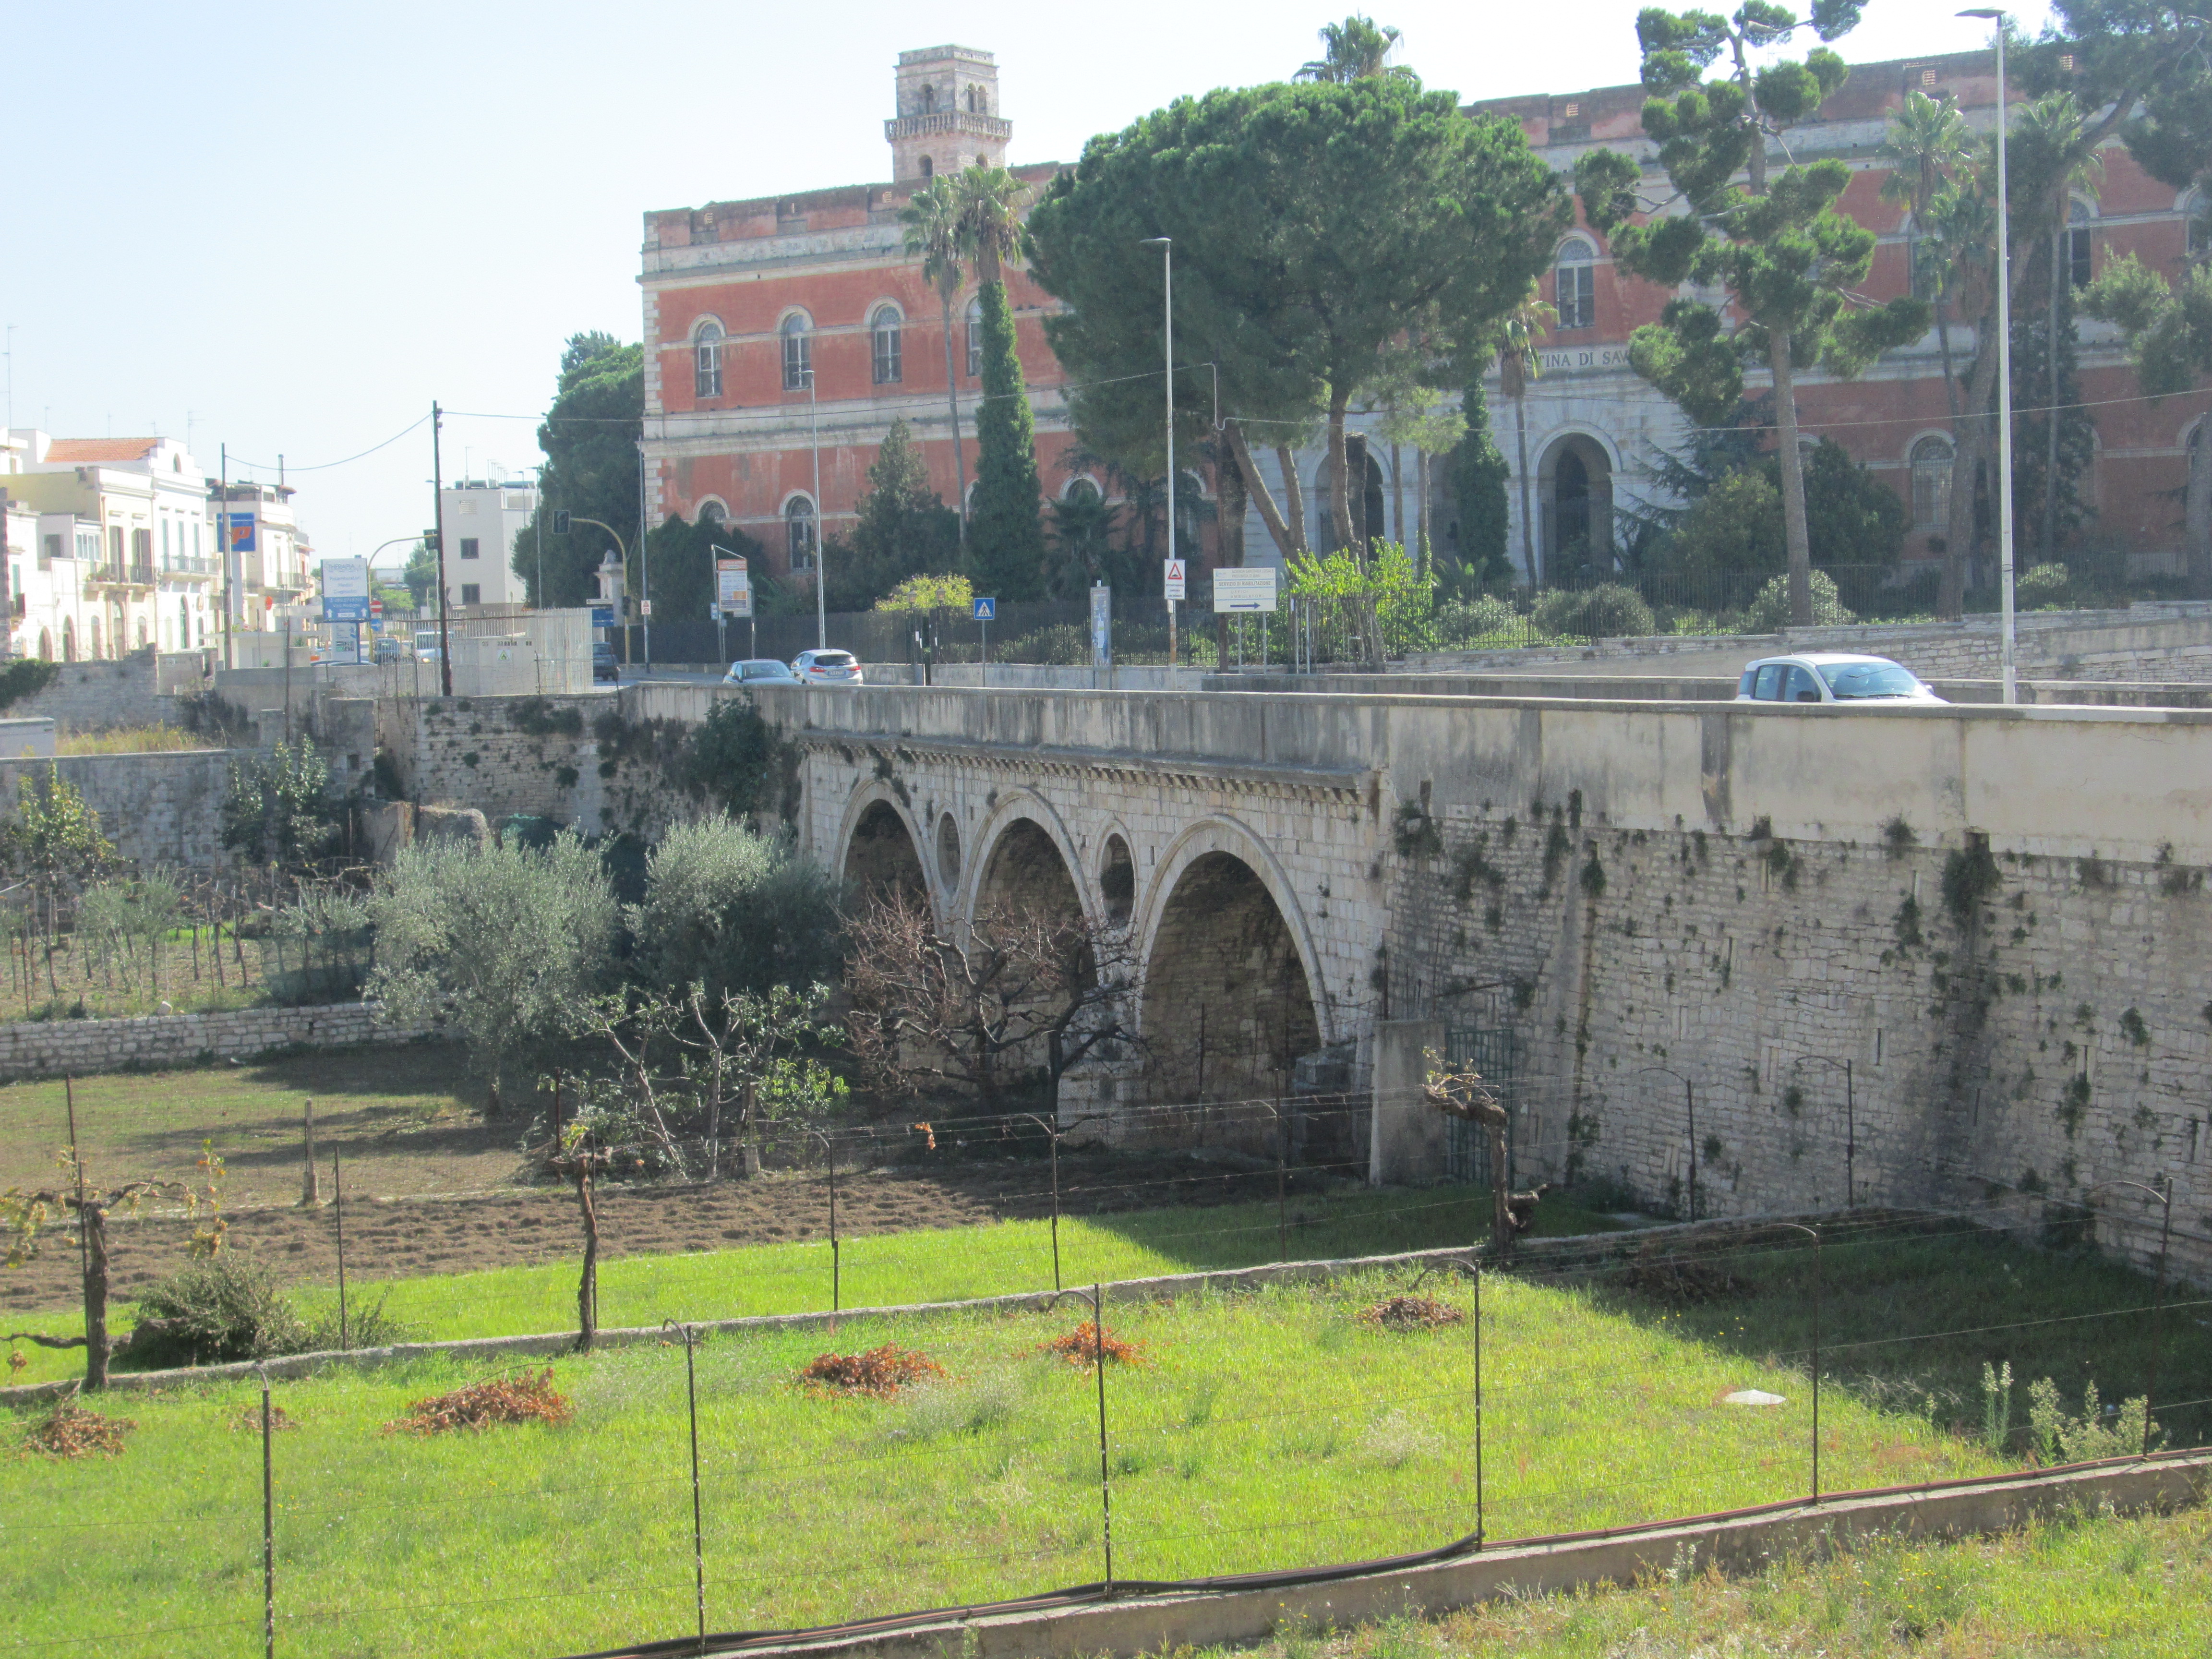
(827, 668)
(1834, 678)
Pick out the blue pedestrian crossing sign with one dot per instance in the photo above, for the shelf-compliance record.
(986, 610)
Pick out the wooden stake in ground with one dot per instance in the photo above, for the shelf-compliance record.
(311, 1185)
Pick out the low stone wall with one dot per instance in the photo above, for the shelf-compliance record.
(48, 1048)
(92, 696)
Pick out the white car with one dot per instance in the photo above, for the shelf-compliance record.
(827, 668)
(1836, 677)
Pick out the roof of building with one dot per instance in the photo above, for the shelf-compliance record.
(100, 449)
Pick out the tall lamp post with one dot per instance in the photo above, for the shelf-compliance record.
(1166, 245)
(820, 582)
(1991, 14)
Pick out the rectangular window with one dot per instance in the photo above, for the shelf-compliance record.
(707, 369)
(469, 545)
(798, 360)
(889, 368)
(1578, 296)
(165, 543)
(115, 546)
(53, 545)
(471, 593)
(2078, 259)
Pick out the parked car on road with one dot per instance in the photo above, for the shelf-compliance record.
(758, 671)
(426, 644)
(1833, 677)
(603, 665)
(387, 649)
(827, 668)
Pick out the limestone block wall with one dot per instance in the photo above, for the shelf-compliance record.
(158, 808)
(2017, 1024)
(91, 696)
(501, 754)
(49, 1048)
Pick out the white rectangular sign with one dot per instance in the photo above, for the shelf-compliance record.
(1244, 590)
(1176, 569)
(731, 579)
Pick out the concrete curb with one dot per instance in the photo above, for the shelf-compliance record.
(1738, 1542)
(1596, 1247)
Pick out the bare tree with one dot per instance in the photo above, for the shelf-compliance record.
(1028, 991)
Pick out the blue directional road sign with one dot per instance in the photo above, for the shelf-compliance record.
(986, 610)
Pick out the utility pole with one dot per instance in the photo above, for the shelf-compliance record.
(437, 522)
(644, 558)
(2004, 365)
(1166, 245)
(222, 541)
(7, 608)
(821, 575)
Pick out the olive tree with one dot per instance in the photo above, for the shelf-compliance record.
(505, 945)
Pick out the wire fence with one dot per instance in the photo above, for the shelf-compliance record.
(701, 1494)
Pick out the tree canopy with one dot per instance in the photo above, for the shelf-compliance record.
(904, 528)
(1789, 257)
(1312, 225)
(590, 438)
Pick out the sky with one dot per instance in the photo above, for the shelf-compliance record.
(286, 229)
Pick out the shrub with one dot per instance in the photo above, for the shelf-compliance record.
(736, 760)
(1462, 623)
(221, 1308)
(278, 810)
(1063, 645)
(1770, 612)
(1609, 611)
(2045, 587)
(318, 949)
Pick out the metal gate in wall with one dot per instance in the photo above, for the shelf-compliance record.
(1494, 1052)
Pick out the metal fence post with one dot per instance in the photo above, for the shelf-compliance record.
(338, 1202)
(268, 1528)
(1476, 1269)
(1799, 1227)
(698, 1529)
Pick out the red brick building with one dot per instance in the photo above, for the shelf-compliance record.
(751, 305)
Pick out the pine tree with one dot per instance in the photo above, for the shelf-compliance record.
(904, 527)
(1006, 541)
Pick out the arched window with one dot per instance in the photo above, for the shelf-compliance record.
(1931, 483)
(714, 512)
(1080, 489)
(928, 168)
(884, 329)
(707, 361)
(975, 337)
(928, 101)
(142, 630)
(798, 352)
(2078, 252)
(1577, 284)
(799, 528)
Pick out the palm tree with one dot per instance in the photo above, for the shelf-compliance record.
(987, 215)
(932, 218)
(2055, 129)
(1518, 363)
(1930, 144)
(1352, 50)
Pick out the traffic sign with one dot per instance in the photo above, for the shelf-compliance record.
(1249, 589)
(986, 610)
(1176, 581)
(603, 615)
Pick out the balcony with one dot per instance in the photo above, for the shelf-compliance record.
(918, 126)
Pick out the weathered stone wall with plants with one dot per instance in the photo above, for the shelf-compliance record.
(159, 808)
(50, 1048)
(2016, 1025)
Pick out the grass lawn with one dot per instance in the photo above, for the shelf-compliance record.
(2138, 1588)
(1263, 1430)
(891, 1269)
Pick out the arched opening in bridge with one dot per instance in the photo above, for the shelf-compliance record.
(1117, 881)
(1027, 877)
(880, 860)
(1227, 1007)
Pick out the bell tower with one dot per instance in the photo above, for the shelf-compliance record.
(948, 115)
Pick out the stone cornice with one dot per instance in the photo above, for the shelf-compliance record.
(1196, 771)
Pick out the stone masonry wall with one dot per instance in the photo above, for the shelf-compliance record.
(91, 696)
(158, 809)
(48, 1048)
(2015, 1024)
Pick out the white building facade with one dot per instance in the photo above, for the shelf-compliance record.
(478, 521)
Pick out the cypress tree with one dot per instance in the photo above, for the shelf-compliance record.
(1477, 474)
(1006, 534)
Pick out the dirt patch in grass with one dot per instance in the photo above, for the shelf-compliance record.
(1410, 1313)
(525, 1397)
(1084, 1344)
(406, 1238)
(1675, 1280)
(879, 1373)
(70, 1431)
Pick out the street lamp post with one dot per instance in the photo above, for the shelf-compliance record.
(821, 585)
(596, 524)
(1690, 1109)
(2005, 362)
(1166, 245)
